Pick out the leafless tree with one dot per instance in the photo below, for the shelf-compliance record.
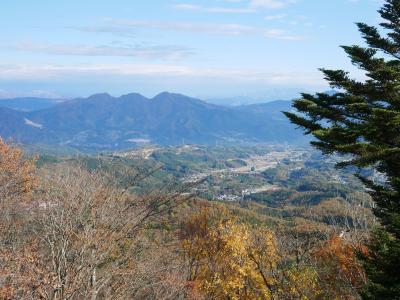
(94, 234)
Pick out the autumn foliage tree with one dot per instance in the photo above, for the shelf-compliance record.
(17, 174)
(17, 181)
(228, 259)
(222, 262)
(340, 271)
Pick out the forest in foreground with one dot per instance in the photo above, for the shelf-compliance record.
(71, 230)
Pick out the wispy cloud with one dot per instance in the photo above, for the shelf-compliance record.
(297, 20)
(53, 71)
(282, 35)
(271, 3)
(169, 52)
(229, 10)
(107, 28)
(186, 6)
(275, 17)
(251, 6)
(207, 28)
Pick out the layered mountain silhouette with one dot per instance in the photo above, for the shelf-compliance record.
(105, 122)
(29, 103)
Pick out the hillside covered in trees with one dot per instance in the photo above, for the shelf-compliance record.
(79, 228)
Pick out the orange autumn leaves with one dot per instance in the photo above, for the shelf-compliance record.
(337, 263)
(17, 180)
(16, 173)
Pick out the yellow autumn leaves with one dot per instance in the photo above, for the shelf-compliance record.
(232, 260)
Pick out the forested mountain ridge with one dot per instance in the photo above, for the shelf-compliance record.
(105, 122)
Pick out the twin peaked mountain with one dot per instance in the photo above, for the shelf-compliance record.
(104, 122)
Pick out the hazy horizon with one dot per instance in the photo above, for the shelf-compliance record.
(263, 49)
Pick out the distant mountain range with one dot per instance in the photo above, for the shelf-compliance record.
(29, 103)
(103, 122)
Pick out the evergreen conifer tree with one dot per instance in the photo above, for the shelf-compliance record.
(362, 121)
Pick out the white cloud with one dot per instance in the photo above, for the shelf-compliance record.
(111, 29)
(229, 10)
(270, 3)
(66, 72)
(139, 51)
(282, 35)
(186, 6)
(251, 6)
(275, 17)
(209, 28)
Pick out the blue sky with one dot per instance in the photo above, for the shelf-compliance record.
(212, 48)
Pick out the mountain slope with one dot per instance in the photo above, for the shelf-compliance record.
(105, 122)
(17, 126)
(271, 109)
